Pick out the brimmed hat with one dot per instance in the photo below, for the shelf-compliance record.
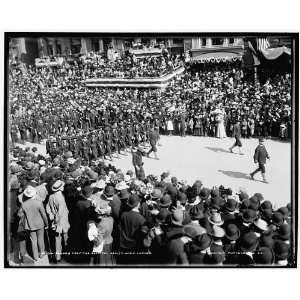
(121, 186)
(109, 191)
(266, 205)
(177, 217)
(261, 224)
(248, 241)
(277, 218)
(100, 184)
(165, 201)
(204, 194)
(58, 186)
(231, 205)
(41, 162)
(68, 154)
(133, 201)
(249, 215)
(15, 169)
(259, 197)
(284, 232)
(266, 239)
(29, 165)
(215, 202)
(196, 213)
(232, 232)
(92, 175)
(203, 241)
(71, 160)
(156, 194)
(264, 256)
(284, 211)
(124, 194)
(217, 232)
(87, 191)
(193, 231)
(281, 250)
(182, 198)
(215, 219)
(30, 191)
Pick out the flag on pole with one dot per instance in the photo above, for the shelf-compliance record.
(262, 44)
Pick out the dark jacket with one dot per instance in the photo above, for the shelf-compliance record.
(261, 154)
(130, 230)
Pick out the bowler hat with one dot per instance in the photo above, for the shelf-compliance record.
(133, 201)
(196, 213)
(248, 241)
(281, 250)
(124, 194)
(259, 196)
(165, 201)
(87, 191)
(266, 239)
(266, 205)
(204, 193)
(231, 205)
(232, 232)
(264, 256)
(284, 211)
(156, 194)
(277, 218)
(249, 215)
(284, 232)
(203, 241)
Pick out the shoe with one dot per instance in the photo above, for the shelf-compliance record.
(230, 150)
(251, 175)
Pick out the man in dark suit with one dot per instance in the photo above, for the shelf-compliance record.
(153, 141)
(237, 136)
(260, 157)
(137, 161)
(132, 231)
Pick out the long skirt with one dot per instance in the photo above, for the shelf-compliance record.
(105, 258)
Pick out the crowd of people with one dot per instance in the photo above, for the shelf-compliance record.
(129, 66)
(94, 213)
(97, 214)
(48, 102)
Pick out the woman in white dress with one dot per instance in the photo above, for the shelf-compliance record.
(221, 133)
(170, 126)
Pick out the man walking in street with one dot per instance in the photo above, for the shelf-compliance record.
(260, 157)
(237, 136)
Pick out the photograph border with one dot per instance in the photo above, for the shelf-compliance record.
(294, 142)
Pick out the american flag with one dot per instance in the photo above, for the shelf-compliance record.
(262, 44)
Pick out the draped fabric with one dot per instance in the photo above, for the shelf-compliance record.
(273, 53)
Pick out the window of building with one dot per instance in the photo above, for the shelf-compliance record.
(177, 41)
(231, 40)
(204, 42)
(217, 41)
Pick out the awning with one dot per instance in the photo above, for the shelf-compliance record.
(216, 57)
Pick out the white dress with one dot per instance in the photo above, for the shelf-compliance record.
(221, 133)
(170, 125)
